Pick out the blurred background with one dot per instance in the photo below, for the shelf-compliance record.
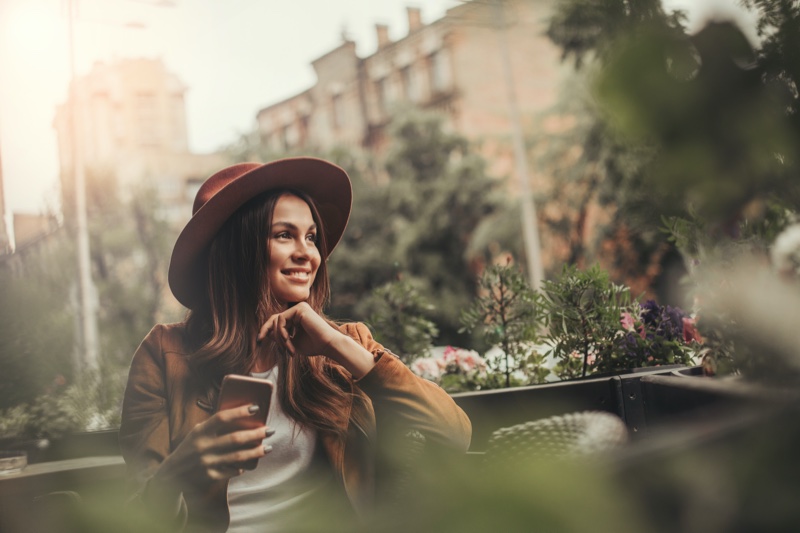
(544, 190)
(648, 140)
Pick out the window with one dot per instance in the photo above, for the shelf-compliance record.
(410, 85)
(440, 71)
(336, 111)
(382, 94)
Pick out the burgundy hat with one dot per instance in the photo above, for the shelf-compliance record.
(230, 188)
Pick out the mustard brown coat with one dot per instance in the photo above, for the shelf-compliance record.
(164, 400)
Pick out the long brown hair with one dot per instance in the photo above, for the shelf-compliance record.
(238, 300)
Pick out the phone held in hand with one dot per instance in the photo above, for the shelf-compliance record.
(239, 390)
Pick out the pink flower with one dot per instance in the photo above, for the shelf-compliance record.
(450, 354)
(467, 363)
(627, 321)
(690, 333)
(427, 367)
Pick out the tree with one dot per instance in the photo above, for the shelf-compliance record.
(130, 240)
(594, 209)
(37, 327)
(418, 221)
(399, 314)
(130, 245)
(718, 121)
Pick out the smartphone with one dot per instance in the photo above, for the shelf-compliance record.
(245, 390)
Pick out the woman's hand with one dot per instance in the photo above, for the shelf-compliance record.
(213, 450)
(301, 331)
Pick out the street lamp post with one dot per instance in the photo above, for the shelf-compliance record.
(530, 229)
(89, 337)
(89, 345)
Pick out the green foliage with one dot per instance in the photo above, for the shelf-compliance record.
(779, 30)
(50, 418)
(36, 321)
(129, 256)
(129, 244)
(398, 316)
(418, 217)
(591, 163)
(712, 125)
(587, 28)
(437, 195)
(583, 311)
(92, 402)
(506, 314)
(710, 148)
(465, 382)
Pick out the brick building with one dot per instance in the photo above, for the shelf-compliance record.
(133, 118)
(452, 64)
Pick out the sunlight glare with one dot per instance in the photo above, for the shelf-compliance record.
(32, 28)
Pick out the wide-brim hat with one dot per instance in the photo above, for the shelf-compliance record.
(226, 191)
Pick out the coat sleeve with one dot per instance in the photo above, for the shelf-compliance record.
(403, 399)
(144, 432)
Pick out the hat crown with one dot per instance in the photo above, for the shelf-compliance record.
(217, 182)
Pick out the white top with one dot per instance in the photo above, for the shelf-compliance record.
(271, 497)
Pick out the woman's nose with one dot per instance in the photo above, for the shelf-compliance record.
(303, 249)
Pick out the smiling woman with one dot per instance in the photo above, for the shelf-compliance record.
(251, 267)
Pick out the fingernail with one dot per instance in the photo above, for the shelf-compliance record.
(267, 448)
(269, 432)
(252, 409)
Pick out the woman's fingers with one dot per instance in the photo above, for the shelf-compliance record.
(228, 420)
(300, 330)
(240, 439)
(281, 329)
(226, 455)
(266, 327)
(234, 463)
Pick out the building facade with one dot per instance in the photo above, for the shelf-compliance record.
(453, 65)
(132, 119)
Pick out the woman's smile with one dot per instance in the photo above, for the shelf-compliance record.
(293, 254)
(299, 276)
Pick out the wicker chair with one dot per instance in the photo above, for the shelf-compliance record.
(567, 436)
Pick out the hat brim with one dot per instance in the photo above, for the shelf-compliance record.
(325, 183)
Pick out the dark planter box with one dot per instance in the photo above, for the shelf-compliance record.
(627, 395)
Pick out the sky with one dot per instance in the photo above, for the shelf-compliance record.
(235, 56)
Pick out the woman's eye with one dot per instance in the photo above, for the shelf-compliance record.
(283, 235)
(312, 237)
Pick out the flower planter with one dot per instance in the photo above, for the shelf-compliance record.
(621, 394)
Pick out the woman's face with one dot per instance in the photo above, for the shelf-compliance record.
(293, 254)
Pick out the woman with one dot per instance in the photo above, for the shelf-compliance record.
(250, 266)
